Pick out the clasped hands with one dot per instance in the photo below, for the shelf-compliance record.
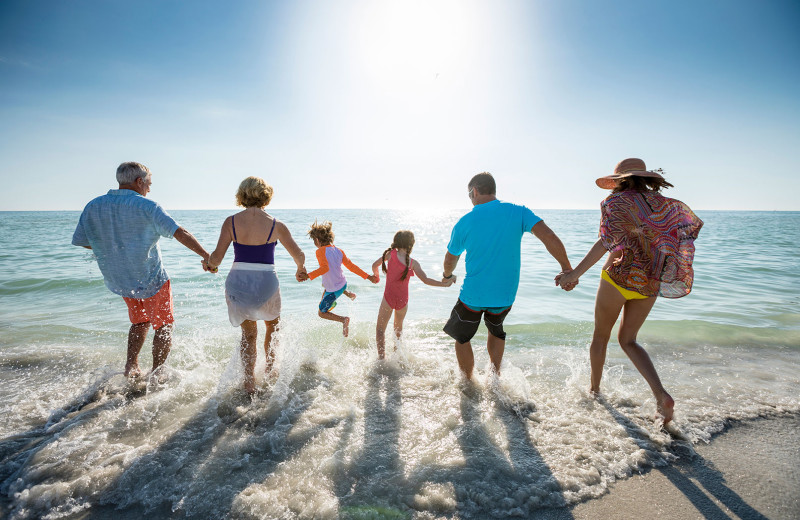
(567, 279)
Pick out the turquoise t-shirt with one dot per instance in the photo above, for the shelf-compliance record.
(491, 234)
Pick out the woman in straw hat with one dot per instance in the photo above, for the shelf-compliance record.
(650, 240)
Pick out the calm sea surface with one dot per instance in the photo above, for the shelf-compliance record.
(340, 435)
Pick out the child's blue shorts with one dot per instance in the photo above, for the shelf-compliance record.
(328, 300)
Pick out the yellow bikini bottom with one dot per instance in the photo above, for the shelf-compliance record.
(626, 293)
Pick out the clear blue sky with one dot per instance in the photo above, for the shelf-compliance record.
(353, 104)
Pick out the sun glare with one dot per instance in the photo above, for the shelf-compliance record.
(413, 43)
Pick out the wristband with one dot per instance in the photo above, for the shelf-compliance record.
(447, 277)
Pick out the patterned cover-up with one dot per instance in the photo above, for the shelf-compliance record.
(656, 236)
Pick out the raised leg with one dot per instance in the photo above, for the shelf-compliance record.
(345, 321)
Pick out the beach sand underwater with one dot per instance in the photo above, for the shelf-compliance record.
(339, 434)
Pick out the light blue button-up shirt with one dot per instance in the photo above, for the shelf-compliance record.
(123, 228)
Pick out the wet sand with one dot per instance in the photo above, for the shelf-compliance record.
(750, 470)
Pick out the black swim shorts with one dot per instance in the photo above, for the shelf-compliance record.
(463, 322)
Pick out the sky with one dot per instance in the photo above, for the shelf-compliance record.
(396, 104)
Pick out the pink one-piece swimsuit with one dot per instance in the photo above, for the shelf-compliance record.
(396, 291)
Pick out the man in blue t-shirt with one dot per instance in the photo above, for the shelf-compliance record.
(122, 228)
(491, 235)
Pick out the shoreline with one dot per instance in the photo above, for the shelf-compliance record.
(751, 469)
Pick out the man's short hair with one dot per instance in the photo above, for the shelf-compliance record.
(128, 172)
(484, 183)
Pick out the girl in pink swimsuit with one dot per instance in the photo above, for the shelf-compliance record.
(401, 267)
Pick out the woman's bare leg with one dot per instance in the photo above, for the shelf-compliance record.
(247, 349)
(607, 306)
(384, 313)
(269, 348)
(633, 317)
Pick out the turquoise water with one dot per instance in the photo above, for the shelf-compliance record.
(339, 434)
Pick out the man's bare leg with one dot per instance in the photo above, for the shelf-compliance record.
(496, 347)
(247, 351)
(136, 336)
(162, 342)
(466, 359)
(345, 321)
(269, 348)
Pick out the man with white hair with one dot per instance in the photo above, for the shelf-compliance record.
(122, 228)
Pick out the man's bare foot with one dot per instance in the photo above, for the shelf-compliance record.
(133, 372)
(665, 407)
(346, 327)
(350, 295)
(250, 388)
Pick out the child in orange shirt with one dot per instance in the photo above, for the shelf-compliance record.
(331, 259)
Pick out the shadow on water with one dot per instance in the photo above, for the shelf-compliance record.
(18, 450)
(367, 487)
(691, 465)
(490, 484)
(200, 470)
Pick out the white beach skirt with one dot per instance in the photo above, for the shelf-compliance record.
(252, 293)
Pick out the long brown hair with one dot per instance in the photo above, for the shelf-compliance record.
(636, 183)
(403, 239)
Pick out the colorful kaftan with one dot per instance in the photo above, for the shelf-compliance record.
(656, 236)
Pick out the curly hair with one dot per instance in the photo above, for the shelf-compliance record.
(403, 239)
(253, 192)
(636, 183)
(322, 232)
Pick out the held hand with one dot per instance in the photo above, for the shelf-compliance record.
(207, 268)
(301, 275)
(450, 281)
(373, 278)
(567, 280)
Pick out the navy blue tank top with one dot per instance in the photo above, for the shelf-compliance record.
(261, 254)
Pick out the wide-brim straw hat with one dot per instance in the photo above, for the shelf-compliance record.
(627, 168)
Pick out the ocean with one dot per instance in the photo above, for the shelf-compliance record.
(339, 434)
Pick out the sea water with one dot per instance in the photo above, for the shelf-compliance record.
(339, 434)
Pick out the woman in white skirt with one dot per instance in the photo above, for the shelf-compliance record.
(251, 289)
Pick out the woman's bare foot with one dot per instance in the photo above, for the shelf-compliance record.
(346, 327)
(665, 407)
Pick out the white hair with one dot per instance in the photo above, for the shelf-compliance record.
(128, 172)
